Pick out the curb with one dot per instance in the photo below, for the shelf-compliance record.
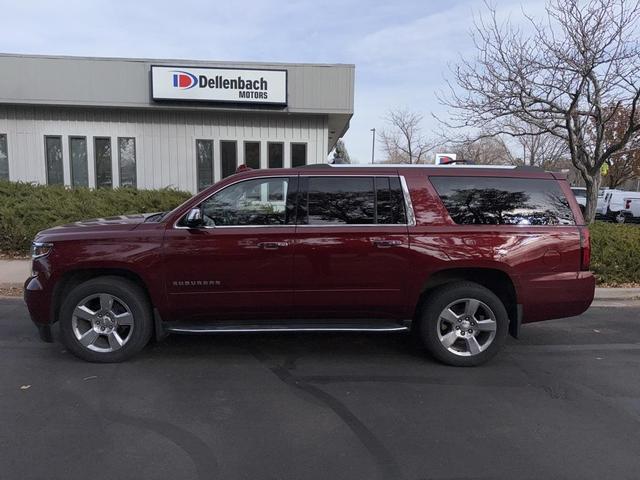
(617, 294)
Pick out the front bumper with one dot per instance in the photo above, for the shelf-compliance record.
(38, 302)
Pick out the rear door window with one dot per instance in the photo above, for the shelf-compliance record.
(333, 200)
(389, 201)
(503, 201)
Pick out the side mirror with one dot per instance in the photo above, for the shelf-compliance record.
(194, 218)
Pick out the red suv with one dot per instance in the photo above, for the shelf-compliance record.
(459, 255)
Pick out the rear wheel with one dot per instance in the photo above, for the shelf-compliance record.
(463, 324)
(106, 319)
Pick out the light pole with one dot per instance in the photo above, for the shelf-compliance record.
(373, 145)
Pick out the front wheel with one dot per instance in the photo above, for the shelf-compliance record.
(106, 319)
(463, 324)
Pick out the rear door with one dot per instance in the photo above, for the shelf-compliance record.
(352, 247)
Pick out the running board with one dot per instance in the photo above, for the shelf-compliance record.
(351, 326)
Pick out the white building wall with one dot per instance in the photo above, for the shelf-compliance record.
(165, 140)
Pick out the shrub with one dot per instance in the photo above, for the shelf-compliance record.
(26, 209)
(615, 253)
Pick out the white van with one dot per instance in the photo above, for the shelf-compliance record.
(631, 210)
(613, 203)
(581, 197)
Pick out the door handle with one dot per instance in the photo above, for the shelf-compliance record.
(273, 245)
(386, 243)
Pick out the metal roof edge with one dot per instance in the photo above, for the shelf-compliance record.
(166, 60)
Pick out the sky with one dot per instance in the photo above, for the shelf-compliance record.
(402, 49)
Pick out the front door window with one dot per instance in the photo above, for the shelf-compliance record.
(256, 202)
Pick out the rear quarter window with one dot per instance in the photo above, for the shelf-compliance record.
(503, 201)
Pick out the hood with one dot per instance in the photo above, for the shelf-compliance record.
(121, 222)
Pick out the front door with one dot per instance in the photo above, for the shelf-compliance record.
(238, 265)
(352, 251)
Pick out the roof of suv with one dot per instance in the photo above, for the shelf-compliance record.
(440, 170)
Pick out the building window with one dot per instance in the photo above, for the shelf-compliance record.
(228, 157)
(127, 161)
(53, 157)
(102, 154)
(298, 154)
(204, 153)
(252, 154)
(79, 166)
(276, 155)
(4, 158)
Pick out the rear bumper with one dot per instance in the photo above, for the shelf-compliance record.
(558, 295)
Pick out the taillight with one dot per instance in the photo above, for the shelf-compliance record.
(627, 204)
(585, 249)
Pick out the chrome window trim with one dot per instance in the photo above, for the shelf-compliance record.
(408, 204)
(410, 217)
(340, 225)
(344, 175)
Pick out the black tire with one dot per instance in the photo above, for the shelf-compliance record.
(436, 303)
(125, 292)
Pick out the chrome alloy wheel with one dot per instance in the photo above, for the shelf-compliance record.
(102, 322)
(466, 327)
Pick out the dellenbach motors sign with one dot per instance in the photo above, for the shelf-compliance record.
(219, 85)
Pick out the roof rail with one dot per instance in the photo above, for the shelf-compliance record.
(316, 165)
(420, 165)
(532, 168)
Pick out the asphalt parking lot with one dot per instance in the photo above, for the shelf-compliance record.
(561, 403)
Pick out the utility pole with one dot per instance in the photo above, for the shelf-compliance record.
(373, 145)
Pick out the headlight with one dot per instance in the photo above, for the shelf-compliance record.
(40, 249)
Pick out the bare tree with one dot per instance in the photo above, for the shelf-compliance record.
(540, 149)
(483, 150)
(558, 80)
(403, 141)
(624, 164)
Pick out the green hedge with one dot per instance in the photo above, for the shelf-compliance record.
(615, 253)
(26, 209)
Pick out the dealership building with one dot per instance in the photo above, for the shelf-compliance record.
(111, 122)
